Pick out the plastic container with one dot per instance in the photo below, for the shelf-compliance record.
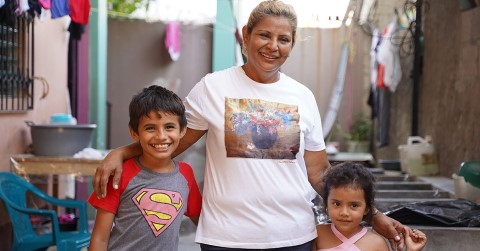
(59, 139)
(418, 157)
(62, 118)
(465, 190)
(470, 170)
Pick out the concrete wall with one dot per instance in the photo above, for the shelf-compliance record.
(137, 58)
(449, 103)
(51, 47)
(449, 108)
(314, 62)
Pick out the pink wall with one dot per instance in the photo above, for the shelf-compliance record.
(51, 47)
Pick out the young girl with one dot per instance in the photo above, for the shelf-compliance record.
(349, 194)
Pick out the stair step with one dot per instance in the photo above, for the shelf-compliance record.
(418, 194)
(394, 178)
(403, 185)
(384, 204)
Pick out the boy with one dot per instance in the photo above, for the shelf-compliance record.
(154, 191)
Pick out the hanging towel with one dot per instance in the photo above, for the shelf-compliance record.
(172, 40)
(79, 11)
(59, 8)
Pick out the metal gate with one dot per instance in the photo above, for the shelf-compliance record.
(16, 60)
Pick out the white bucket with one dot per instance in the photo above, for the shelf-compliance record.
(418, 157)
(464, 189)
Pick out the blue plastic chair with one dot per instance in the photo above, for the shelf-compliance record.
(13, 192)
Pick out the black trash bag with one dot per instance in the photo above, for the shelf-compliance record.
(454, 213)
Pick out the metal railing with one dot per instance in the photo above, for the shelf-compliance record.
(16, 63)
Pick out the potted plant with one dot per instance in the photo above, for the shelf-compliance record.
(358, 137)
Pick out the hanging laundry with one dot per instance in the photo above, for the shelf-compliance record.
(59, 8)
(7, 13)
(79, 11)
(388, 56)
(46, 4)
(373, 57)
(76, 30)
(372, 96)
(35, 8)
(172, 40)
(383, 120)
(22, 7)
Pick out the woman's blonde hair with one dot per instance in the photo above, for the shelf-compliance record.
(273, 8)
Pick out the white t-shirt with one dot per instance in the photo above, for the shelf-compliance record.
(256, 192)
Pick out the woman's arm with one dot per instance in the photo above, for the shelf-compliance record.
(317, 163)
(113, 162)
(389, 228)
(101, 230)
(195, 220)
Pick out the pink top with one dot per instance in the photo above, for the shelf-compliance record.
(348, 244)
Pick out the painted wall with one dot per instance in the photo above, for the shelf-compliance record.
(51, 47)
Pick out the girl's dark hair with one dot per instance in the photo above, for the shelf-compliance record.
(351, 175)
(159, 99)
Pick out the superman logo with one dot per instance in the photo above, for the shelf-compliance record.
(159, 207)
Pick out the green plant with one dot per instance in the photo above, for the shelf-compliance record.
(360, 129)
(127, 7)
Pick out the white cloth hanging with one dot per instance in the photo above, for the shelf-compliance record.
(388, 55)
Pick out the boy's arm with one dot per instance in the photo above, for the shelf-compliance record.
(101, 230)
(195, 220)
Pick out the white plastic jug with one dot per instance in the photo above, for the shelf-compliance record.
(418, 156)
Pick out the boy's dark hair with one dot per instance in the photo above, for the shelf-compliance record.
(351, 175)
(159, 99)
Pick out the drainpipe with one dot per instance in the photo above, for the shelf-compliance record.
(417, 66)
(98, 71)
(223, 37)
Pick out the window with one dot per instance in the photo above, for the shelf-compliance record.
(16, 60)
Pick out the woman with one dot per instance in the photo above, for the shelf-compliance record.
(264, 146)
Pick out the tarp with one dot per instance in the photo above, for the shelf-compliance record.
(451, 213)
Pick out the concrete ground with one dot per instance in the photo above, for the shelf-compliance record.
(187, 236)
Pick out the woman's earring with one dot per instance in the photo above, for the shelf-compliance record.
(244, 50)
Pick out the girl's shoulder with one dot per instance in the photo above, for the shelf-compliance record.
(324, 228)
(372, 241)
(326, 238)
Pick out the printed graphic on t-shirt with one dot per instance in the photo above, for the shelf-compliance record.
(159, 207)
(255, 128)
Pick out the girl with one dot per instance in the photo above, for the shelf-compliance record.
(349, 194)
